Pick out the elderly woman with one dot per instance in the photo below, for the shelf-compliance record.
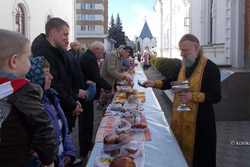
(39, 74)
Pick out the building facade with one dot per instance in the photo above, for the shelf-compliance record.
(219, 25)
(29, 17)
(92, 23)
(172, 22)
(146, 39)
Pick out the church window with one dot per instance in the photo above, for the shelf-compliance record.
(49, 17)
(211, 22)
(20, 19)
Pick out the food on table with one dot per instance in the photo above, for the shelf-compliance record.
(123, 88)
(139, 126)
(123, 161)
(133, 99)
(110, 139)
(122, 127)
(129, 117)
(131, 151)
(123, 139)
(137, 117)
(129, 107)
(116, 107)
(107, 160)
(113, 143)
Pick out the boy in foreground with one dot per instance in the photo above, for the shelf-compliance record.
(24, 126)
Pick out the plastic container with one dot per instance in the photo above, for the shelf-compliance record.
(140, 128)
(128, 117)
(133, 150)
(123, 88)
(137, 116)
(133, 99)
(116, 107)
(117, 142)
(129, 107)
(122, 127)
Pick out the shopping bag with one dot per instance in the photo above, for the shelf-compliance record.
(105, 99)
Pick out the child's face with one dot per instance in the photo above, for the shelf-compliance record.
(23, 63)
(48, 78)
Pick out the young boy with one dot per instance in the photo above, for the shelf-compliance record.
(40, 74)
(24, 126)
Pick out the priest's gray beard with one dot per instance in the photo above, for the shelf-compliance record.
(189, 60)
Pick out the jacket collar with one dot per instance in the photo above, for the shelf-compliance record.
(91, 53)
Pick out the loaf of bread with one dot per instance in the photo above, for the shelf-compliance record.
(123, 161)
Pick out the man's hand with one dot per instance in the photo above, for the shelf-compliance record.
(185, 96)
(88, 82)
(82, 94)
(147, 84)
(78, 109)
(66, 160)
(128, 79)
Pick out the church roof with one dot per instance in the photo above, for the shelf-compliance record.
(146, 32)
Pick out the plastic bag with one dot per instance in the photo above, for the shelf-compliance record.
(105, 99)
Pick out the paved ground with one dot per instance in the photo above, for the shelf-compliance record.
(233, 137)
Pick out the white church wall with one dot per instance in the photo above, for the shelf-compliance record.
(226, 47)
(153, 42)
(172, 16)
(146, 42)
(36, 15)
(159, 17)
(197, 13)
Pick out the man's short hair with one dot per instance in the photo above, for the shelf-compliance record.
(98, 45)
(11, 43)
(56, 23)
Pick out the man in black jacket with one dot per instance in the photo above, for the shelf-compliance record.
(50, 46)
(90, 69)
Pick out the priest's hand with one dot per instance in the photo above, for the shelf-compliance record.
(185, 96)
(147, 84)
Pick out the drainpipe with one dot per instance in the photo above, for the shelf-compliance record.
(161, 28)
(170, 43)
(74, 19)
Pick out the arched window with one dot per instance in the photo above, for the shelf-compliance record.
(20, 19)
(49, 17)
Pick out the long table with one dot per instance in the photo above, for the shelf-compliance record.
(163, 150)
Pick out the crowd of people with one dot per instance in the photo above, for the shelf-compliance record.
(45, 87)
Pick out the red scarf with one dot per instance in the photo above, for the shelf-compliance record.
(7, 86)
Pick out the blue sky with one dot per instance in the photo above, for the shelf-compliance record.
(132, 14)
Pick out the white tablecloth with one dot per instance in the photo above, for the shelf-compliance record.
(163, 150)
